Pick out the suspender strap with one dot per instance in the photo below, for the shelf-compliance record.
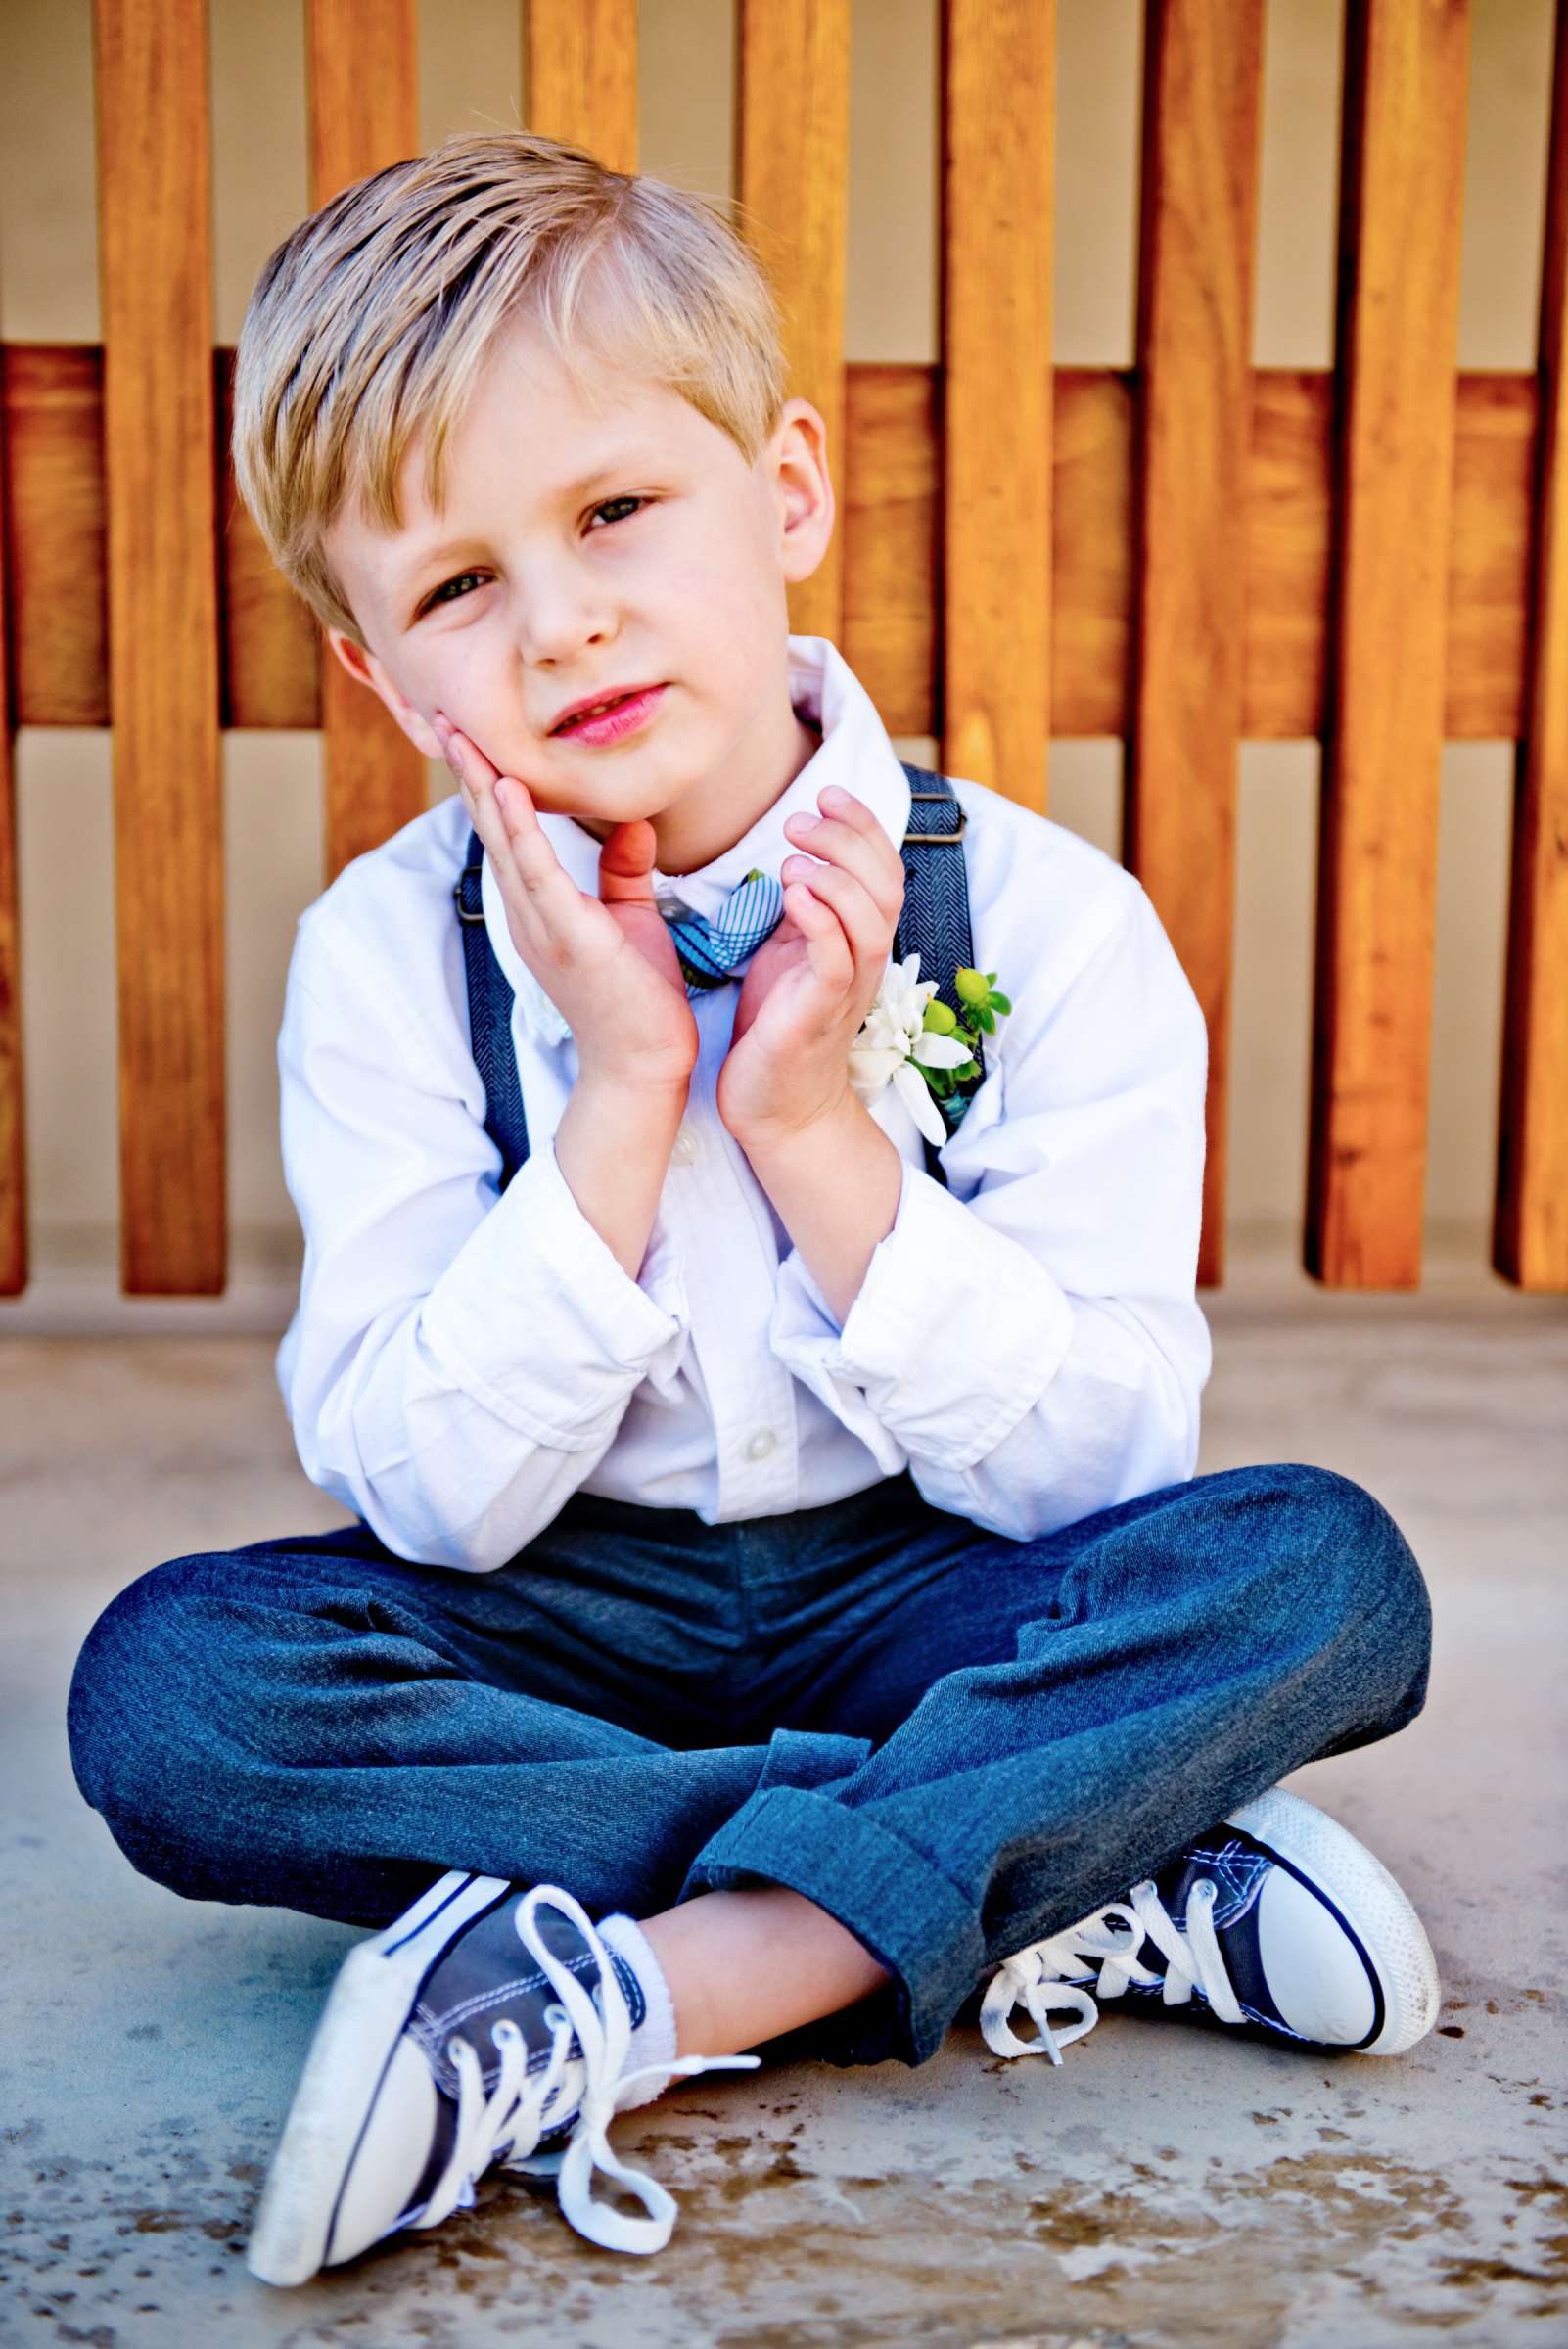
(934, 920)
(489, 1021)
(932, 923)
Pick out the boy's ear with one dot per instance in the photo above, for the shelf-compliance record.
(369, 672)
(802, 488)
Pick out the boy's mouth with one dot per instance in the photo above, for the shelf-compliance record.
(612, 715)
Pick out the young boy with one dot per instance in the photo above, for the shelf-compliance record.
(779, 1598)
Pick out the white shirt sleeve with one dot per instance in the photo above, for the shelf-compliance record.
(1029, 1342)
(459, 1361)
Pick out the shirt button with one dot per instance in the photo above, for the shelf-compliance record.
(686, 1148)
(761, 1445)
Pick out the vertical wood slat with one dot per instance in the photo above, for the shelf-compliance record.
(999, 109)
(1202, 86)
(364, 113)
(580, 73)
(1402, 177)
(155, 253)
(792, 182)
(12, 1085)
(1530, 1226)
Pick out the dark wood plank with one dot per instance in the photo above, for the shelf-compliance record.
(890, 513)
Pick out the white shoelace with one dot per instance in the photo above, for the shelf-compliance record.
(508, 2125)
(1112, 1937)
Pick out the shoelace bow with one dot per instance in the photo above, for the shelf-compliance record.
(1112, 1937)
(506, 2128)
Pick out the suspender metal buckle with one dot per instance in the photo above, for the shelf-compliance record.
(940, 838)
(463, 913)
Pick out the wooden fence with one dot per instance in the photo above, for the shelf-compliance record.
(1186, 554)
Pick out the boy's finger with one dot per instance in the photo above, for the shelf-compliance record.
(828, 948)
(627, 862)
(863, 918)
(866, 852)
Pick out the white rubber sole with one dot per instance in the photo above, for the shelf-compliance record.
(1367, 1897)
(361, 2023)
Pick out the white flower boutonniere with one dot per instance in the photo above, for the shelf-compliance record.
(920, 1046)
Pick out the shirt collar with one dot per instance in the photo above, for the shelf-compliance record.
(854, 753)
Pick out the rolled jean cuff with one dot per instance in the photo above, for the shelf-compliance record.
(809, 1758)
(911, 1916)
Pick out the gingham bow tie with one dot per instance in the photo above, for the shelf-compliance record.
(710, 950)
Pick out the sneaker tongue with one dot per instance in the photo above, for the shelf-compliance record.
(1238, 1867)
(488, 1973)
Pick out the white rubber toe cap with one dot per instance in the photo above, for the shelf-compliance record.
(1317, 1976)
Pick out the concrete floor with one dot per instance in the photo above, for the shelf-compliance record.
(1168, 2184)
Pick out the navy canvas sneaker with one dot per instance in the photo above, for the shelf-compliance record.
(1278, 1921)
(486, 2024)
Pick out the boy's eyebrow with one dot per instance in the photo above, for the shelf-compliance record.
(622, 461)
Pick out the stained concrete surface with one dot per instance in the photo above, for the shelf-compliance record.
(1167, 2185)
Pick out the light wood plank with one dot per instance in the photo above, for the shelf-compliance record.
(1402, 177)
(792, 166)
(363, 106)
(13, 1075)
(1202, 86)
(998, 113)
(579, 71)
(154, 209)
(1530, 1231)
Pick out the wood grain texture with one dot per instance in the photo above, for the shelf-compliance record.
(155, 258)
(1202, 91)
(792, 183)
(12, 1085)
(1529, 1229)
(890, 520)
(580, 73)
(1402, 176)
(998, 110)
(363, 109)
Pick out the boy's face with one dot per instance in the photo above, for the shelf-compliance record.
(543, 583)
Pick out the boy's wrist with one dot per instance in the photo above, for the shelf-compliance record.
(669, 1094)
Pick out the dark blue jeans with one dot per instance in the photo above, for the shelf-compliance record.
(954, 1741)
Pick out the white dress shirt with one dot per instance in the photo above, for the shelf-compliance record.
(1027, 1341)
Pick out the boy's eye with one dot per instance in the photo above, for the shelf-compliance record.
(439, 595)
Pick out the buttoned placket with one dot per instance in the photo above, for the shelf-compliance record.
(750, 1393)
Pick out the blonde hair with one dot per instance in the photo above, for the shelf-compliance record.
(371, 323)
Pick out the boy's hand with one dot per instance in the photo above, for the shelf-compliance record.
(592, 955)
(808, 986)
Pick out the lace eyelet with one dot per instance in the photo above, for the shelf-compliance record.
(1209, 1889)
(503, 2029)
(555, 2014)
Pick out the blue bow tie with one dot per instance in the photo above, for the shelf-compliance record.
(710, 950)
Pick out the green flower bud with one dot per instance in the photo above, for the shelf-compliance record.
(939, 1017)
(972, 988)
